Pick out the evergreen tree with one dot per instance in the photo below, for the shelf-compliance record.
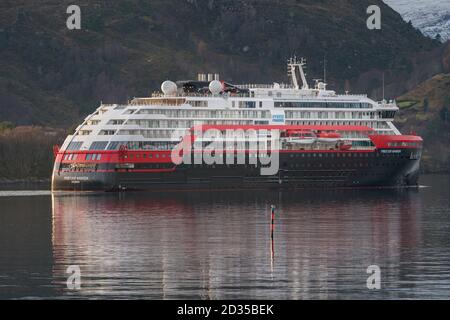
(425, 104)
(444, 114)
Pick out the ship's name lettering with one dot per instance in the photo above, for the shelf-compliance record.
(77, 178)
(390, 151)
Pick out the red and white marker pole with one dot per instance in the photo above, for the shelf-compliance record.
(272, 229)
(272, 224)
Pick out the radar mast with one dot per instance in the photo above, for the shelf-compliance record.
(296, 72)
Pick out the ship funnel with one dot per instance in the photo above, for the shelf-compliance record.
(201, 77)
(207, 77)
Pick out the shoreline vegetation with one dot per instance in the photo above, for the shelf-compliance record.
(26, 152)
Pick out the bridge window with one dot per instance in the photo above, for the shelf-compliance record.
(74, 146)
(387, 114)
(98, 145)
(115, 145)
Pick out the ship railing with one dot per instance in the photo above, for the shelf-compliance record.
(316, 147)
(360, 95)
(265, 86)
(199, 95)
(386, 104)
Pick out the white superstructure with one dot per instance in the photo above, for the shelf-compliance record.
(149, 123)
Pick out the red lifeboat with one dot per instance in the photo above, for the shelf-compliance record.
(328, 137)
(345, 146)
(300, 137)
(296, 132)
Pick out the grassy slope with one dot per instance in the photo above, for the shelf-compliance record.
(429, 120)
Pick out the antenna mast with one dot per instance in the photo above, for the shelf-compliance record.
(296, 66)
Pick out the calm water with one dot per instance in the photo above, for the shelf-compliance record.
(214, 245)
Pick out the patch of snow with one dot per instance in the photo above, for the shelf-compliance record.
(432, 17)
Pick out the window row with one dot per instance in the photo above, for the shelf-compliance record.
(174, 124)
(330, 115)
(207, 113)
(70, 157)
(145, 155)
(404, 144)
(93, 157)
(322, 105)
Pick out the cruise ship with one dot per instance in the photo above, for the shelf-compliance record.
(211, 134)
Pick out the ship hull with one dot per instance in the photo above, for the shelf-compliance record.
(379, 168)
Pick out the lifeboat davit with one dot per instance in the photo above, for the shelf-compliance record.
(330, 137)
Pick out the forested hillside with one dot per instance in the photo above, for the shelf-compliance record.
(426, 111)
(50, 75)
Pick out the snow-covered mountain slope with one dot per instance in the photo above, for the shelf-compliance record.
(432, 17)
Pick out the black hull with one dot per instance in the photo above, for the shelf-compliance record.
(353, 169)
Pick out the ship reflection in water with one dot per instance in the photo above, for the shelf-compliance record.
(219, 245)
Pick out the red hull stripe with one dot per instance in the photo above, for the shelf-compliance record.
(115, 157)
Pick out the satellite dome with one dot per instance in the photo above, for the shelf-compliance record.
(215, 87)
(169, 88)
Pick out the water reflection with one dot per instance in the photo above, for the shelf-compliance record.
(214, 245)
(26, 257)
